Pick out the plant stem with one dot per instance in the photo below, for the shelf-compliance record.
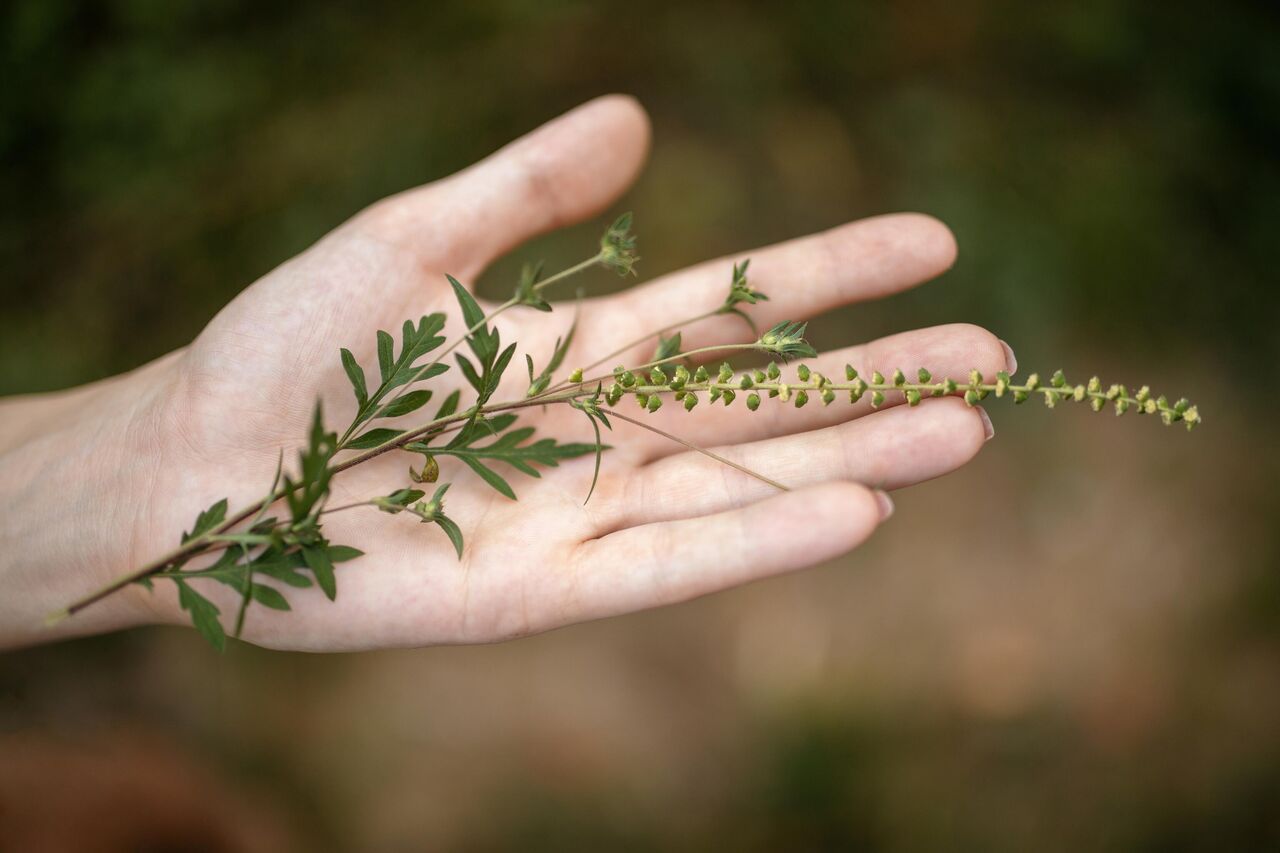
(654, 334)
(587, 388)
(614, 413)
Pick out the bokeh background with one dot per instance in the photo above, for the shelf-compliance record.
(1074, 643)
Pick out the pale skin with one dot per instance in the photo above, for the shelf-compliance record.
(100, 479)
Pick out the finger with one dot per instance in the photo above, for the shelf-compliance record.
(672, 561)
(565, 171)
(803, 277)
(888, 450)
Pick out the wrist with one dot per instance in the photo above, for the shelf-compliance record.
(77, 472)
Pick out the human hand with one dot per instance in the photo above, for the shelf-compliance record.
(136, 457)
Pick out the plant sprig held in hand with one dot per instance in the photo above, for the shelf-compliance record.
(260, 555)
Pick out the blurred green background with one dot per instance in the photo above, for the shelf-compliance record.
(1073, 643)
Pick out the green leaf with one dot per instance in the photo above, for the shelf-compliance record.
(599, 450)
(489, 476)
(386, 359)
(356, 374)
(482, 340)
(317, 559)
(452, 531)
(374, 438)
(343, 553)
(410, 402)
(207, 521)
(269, 597)
(305, 495)
(415, 343)
(449, 406)
(667, 348)
(508, 448)
(204, 614)
(539, 383)
(284, 573)
(469, 372)
(400, 498)
(527, 288)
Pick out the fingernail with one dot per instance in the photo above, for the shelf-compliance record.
(987, 427)
(1010, 360)
(886, 504)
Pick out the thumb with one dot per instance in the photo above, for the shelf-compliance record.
(565, 171)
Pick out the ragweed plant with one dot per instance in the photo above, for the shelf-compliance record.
(260, 551)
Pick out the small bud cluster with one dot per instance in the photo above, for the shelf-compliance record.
(726, 384)
(618, 246)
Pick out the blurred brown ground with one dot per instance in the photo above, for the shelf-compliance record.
(1074, 643)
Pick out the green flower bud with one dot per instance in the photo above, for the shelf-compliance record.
(857, 390)
(729, 396)
(726, 372)
(576, 376)
(626, 378)
(701, 375)
(1095, 385)
(975, 378)
(1096, 403)
(690, 400)
(614, 394)
(713, 394)
(1122, 406)
(828, 396)
(1058, 380)
(899, 378)
(877, 399)
(1033, 381)
(913, 397)
(753, 401)
(849, 373)
(1144, 394)
(1191, 416)
(1114, 391)
(773, 372)
(924, 375)
(949, 386)
(655, 403)
(784, 392)
(1078, 393)
(802, 397)
(760, 376)
(1020, 397)
(643, 400)
(1149, 407)
(971, 397)
(657, 376)
(802, 372)
(877, 378)
(744, 382)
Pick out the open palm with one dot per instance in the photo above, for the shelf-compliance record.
(664, 524)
